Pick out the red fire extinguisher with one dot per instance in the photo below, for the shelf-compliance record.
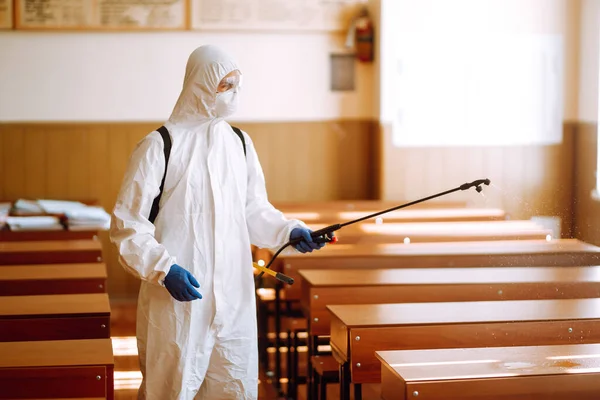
(363, 33)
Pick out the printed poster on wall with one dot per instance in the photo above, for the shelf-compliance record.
(6, 14)
(102, 14)
(281, 15)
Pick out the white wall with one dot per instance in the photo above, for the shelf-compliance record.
(138, 76)
(589, 66)
(478, 18)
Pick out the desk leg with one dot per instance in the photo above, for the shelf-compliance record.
(357, 391)
(295, 366)
(312, 343)
(289, 355)
(345, 381)
(277, 340)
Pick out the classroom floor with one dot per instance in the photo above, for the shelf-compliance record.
(128, 376)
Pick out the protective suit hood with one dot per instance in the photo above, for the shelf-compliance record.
(205, 68)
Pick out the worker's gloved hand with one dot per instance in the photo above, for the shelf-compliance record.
(180, 283)
(307, 245)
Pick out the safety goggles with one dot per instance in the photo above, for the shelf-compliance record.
(230, 82)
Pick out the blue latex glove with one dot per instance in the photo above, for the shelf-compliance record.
(306, 245)
(180, 283)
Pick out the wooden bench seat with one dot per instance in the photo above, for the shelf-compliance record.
(29, 280)
(54, 317)
(357, 331)
(50, 252)
(560, 372)
(57, 369)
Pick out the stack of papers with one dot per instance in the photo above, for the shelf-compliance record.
(4, 211)
(27, 207)
(60, 206)
(34, 223)
(87, 218)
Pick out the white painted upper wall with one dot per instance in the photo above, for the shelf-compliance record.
(473, 17)
(137, 76)
(589, 65)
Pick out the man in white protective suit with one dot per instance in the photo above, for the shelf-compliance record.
(196, 317)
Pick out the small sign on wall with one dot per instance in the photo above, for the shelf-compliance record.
(342, 72)
(6, 14)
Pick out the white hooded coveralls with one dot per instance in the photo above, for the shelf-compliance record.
(214, 205)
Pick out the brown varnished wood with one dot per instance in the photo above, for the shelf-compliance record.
(424, 232)
(334, 287)
(328, 216)
(21, 236)
(71, 304)
(559, 372)
(455, 325)
(57, 369)
(50, 252)
(560, 252)
(30, 280)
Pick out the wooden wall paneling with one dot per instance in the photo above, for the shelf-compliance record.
(586, 209)
(57, 171)
(2, 161)
(35, 156)
(14, 163)
(319, 160)
(78, 177)
(528, 180)
(98, 148)
(351, 169)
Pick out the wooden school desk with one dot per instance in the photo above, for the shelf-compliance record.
(321, 288)
(406, 215)
(357, 331)
(50, 252)
(54, 317)
(28, 280)
(392, 232)
(7, 235)
(559, 252)
(560, 372)
(359, 205)
(526, 253)
(81, 369)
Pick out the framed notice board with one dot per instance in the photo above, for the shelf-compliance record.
(118, 15)
(6, 14)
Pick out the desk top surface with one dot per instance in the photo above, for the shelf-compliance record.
(445, 276)
(56, 353)
(52, 271)
(500, 247)
(56, 304)
(491, 362)
(50, 246)
(386, 315)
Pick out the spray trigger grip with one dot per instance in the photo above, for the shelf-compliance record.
(327, 238)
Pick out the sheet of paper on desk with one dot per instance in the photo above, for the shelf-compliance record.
(60, 206)
(88, 218)
(48, 223)
(4, 211)
(23, 207)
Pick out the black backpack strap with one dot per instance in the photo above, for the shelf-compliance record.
(167, 150)
(238, 132)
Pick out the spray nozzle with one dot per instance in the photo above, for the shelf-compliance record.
(476, 183)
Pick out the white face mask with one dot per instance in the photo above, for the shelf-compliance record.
(227, 103)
